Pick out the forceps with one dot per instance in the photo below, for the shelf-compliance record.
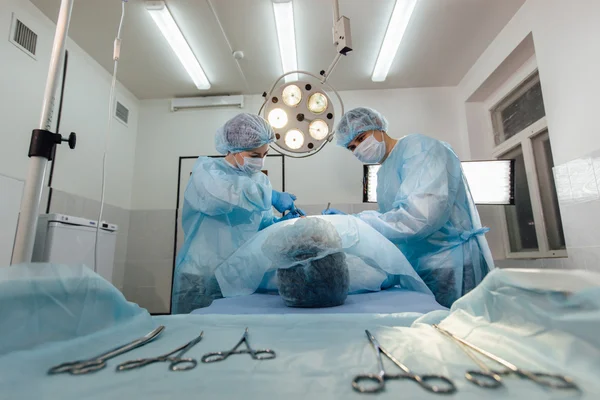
(97, 363)
(175, 360)
(491, 379)
(298, 211)
(446, 387)
(263, 354)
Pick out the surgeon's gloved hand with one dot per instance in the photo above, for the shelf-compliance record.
(282, 201)
(296, 213)
(332, 211)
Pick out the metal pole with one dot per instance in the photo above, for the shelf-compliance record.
(336, 12)
(34, 183)
(332, 66)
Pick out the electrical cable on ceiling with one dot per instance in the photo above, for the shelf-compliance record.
(111, 109)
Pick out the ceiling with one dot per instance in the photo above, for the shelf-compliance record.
(444, 38)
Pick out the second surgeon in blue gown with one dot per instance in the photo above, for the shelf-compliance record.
(425, 206)
(226, 202)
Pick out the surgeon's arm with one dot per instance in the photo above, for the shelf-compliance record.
(430, 180)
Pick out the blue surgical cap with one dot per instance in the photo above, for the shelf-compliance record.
(357, 121)
(243, 132)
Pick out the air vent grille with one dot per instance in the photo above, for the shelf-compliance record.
(24, 37)
(122, 113)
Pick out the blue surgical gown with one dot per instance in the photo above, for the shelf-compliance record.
(223, 208)
(426, 209)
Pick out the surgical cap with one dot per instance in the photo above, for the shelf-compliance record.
(357, 121)
(243, 132)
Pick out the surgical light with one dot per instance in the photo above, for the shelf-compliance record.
(302, 116)
(294, 139)
(168, 27)
(277, 118)
(317, 103)
(318, 129)
(286, 35)
(491, 182)
(399, 20)
(292, 95)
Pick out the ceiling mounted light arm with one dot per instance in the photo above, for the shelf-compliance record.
(301, 113)
(163, 18)
(403, 10)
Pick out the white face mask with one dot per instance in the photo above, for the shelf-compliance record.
(251, 165)
(370, 151)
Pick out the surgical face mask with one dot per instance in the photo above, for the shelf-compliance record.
(251, 165)
(370, 151)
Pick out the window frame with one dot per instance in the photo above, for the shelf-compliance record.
(509, 90)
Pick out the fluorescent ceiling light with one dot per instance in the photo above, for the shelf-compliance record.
(403, 10)
(168, 27)
(284, 21)
(491, 182)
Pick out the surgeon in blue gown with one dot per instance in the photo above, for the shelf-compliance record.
(226, 202)
(425, 206)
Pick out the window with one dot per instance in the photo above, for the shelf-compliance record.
(370, 183)
(533, 227)
(490, 182)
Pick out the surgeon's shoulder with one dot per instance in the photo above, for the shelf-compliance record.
(422, 142)
(261, 179)
(208, 163)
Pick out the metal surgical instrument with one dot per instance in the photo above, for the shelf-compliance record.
(446, 387)
(263, 354)
(554, 381)
(82, 367)
(175, 357)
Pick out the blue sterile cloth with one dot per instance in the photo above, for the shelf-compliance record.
(393, 300)
(373, 261)
(318, 355)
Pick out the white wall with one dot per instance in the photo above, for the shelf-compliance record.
(565, 36)
(85, 111)
(333, 175)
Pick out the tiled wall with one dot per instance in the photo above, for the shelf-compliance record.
(148, 272)
(578, 188)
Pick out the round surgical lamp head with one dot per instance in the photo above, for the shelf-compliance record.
(318, 129)
(294, 139)
(292, 95)
(302, 116)
(317, 103)
(277, 118)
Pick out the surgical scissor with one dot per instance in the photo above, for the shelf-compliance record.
(82, 367)
(425, 381)
(263, 354)
(175, 357)
(488, 378)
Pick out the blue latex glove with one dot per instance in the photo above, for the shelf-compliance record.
(297, 213)
(282, 201)
(333, 211)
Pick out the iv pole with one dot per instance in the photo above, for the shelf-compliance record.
(42, 143)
